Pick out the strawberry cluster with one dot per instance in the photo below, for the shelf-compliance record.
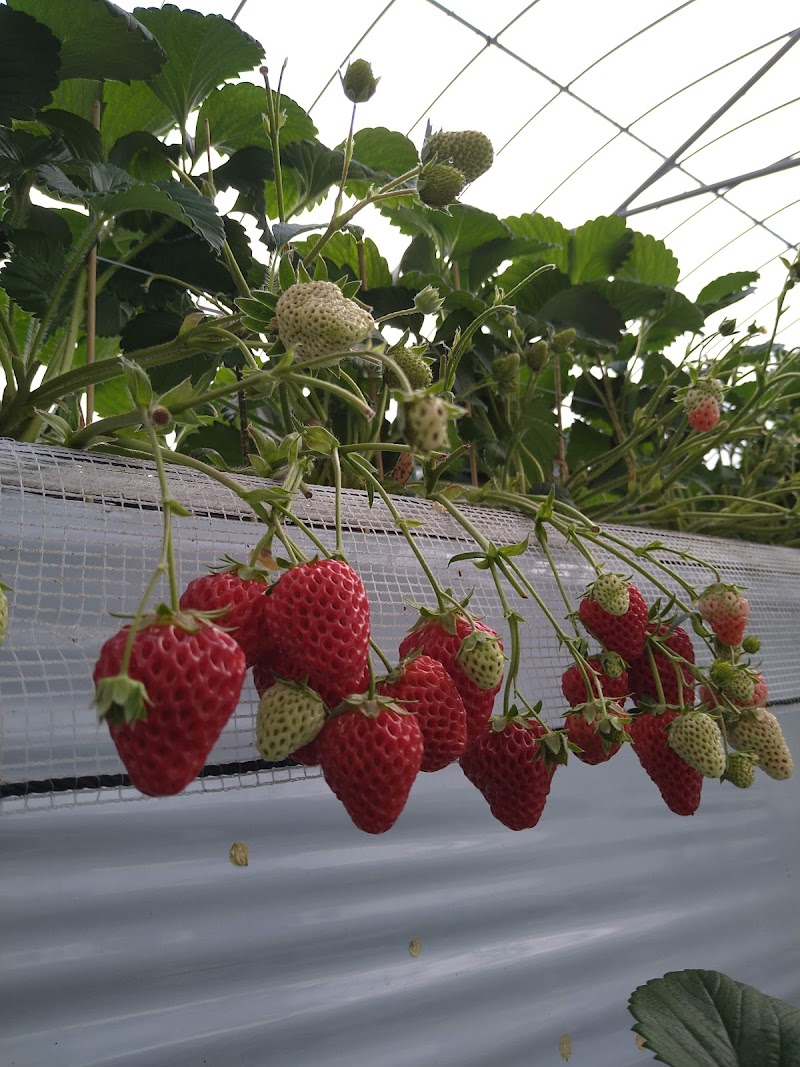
(678, 744)
(168, 687)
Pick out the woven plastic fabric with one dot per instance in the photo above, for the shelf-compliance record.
(80, 536)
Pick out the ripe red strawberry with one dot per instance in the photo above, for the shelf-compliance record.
(240, 594)
(317, 623)
(308, 755)
(598, 732)
(614, 685)
(370, 755)
(702, 412)
(506, 765)
(644, 689)
(440, 636)
(679, 784)
(423, 686)
(192, 673)
(624, 633)
(725, 610)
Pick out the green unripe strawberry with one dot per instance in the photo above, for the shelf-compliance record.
(358, 81)
(740, 770)
(468, 150)
(722, 673)
(740, 686)
(758, 731)
(696, 738)
(440, 184)
(612, 593)
(290, 715)
(3, 615)
(537, 355)
(613, 664)
(481, 658)
(560, 342)
(726, 653)
(505, 368)
(751, 645)
(319, 320)
(416, 367)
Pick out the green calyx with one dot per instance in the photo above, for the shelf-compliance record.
(121, 699)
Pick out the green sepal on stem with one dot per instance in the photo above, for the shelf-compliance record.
(553, 745)
(445, 617)
(371, 706)
(248, 572)
(484, 559)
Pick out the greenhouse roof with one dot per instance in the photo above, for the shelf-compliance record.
(672, 114)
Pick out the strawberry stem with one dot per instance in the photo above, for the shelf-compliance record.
(167, 563)
(363, 468)
(337, 481)
(545, 546)
(656, 676)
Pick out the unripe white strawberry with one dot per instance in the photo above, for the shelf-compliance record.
(416, 368)
(696, 738)
(481, 658)
(426, 421)
(319, 320)
(612, 593)
(758, 731)
(290, 715)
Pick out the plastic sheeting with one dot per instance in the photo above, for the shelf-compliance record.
(128, 938)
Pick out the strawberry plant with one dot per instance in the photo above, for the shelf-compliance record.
(502, 362)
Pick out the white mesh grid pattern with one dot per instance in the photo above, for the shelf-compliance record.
(80, 535)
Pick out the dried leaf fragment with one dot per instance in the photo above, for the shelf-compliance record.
(239, 854)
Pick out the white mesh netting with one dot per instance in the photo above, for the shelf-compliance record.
(80, 536)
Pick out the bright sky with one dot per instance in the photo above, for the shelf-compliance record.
(583, 102)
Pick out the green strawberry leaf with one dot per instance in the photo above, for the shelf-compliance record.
(542, 228)
(98, 39)
(697, 1018)
(235, 115)
(598, 247)
(726, 290)
(29, 65)
(127, 109)
(386, 152)
(649, 261)
(203, 51)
